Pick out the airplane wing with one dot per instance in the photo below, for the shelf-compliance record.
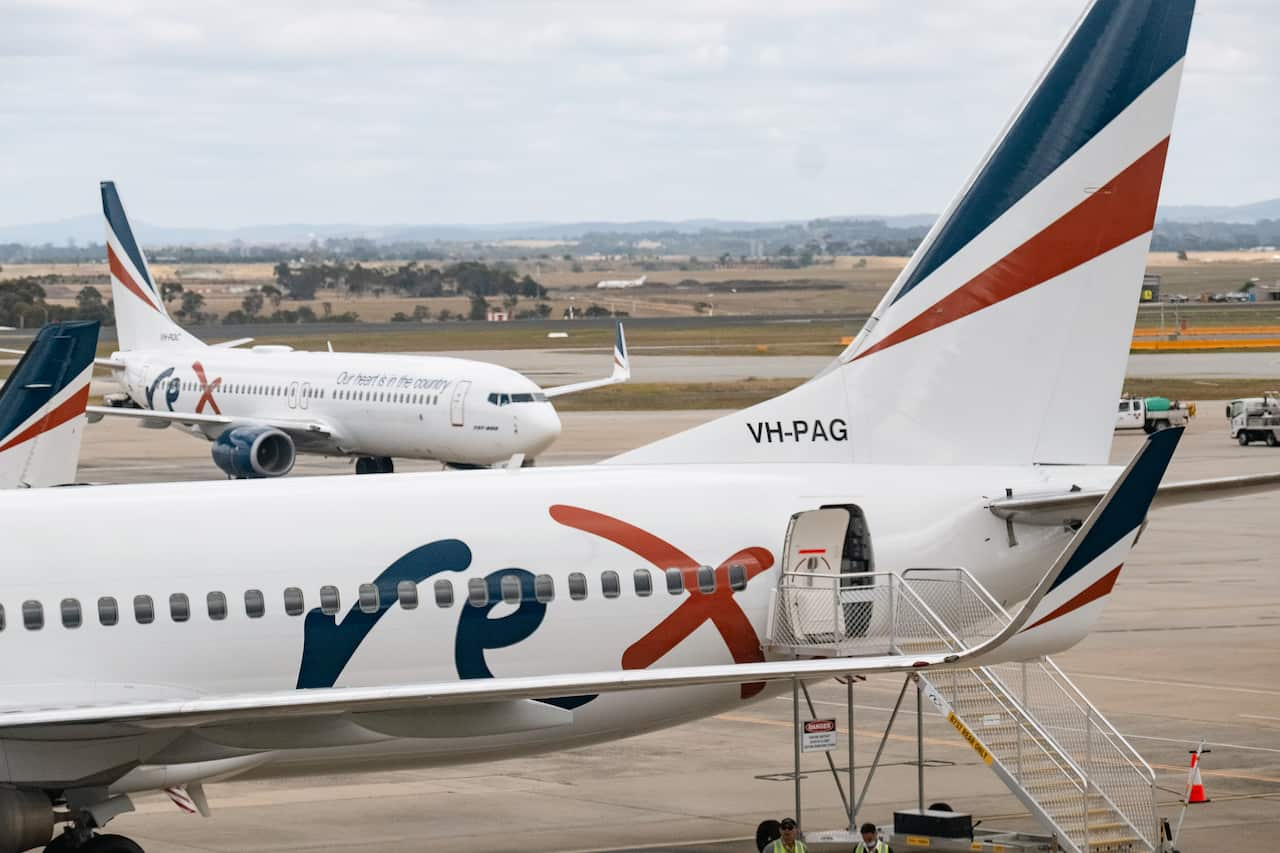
(97, 413)
(621, 370)
(305, 432)
(1114, 517)
(232, 344)
(1058, 508)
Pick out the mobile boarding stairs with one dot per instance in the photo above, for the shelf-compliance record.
(1088, 788)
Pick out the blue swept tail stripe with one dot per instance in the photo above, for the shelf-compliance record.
(113, 210)
(1120, 48)
(59, 353)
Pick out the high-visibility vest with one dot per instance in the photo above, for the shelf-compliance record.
(778, 847)
(880, 847)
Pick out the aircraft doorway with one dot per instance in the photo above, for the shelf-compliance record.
(831, 545)
(458, 403)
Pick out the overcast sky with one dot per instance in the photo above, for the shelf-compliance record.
(219, 113)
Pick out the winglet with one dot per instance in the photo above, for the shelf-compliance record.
(1069, 598)
(621, 363)
(621, 370)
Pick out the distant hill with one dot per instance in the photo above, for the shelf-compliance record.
(1241, 214)
(89, 228)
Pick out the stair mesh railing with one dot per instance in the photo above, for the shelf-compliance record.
(1114, 769)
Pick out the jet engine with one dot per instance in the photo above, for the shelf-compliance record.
(26, 820)
(252, 452)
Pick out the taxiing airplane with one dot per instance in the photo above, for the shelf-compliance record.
(339, 624)
(621, 283)
(42, 406)
(262, 406)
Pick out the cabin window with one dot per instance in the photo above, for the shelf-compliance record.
(477, 592)
(544, 588)
(444, 593)
(144, 609)
(706, 579)
(1, 617)
(108, 611)
(577, 586)
(610, 585)
(330, 601)
(217, 604)
(70, 613)
(643, 582)
(293, 603)
(255, 604)
(675, 581)
(407, 594)
(510, 589)
(179, 607)
(370, 601)
(737, 577)
(32, 615)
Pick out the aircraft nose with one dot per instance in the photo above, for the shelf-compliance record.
(543, 428)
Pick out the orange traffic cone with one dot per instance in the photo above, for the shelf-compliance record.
(1195, 785)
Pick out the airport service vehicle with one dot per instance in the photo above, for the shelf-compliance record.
(261, 406)
(42, 406)
(1256, 419)
(335, 624)
(1152, 414)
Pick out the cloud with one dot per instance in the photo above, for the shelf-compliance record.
(222, 112)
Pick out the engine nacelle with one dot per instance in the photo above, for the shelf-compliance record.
(26, 820)
(251, 452)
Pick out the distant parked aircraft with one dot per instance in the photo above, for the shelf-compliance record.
(621, 283)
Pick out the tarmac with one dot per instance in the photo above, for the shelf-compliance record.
(1187, 649)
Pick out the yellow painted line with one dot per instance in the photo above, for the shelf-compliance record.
(1215, 343)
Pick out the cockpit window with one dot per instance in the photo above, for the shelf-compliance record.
(506, 399)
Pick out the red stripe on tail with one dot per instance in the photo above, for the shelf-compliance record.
(1110, 217)
(118, 270)
(69, 408)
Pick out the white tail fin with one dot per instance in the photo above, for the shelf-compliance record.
(1005, 338)
(141, 319)
(42, 407)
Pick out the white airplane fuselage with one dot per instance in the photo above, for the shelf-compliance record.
(405, 406)
(499, 530)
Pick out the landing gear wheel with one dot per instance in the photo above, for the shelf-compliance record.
(1243, 438)
(112, 844)
(767, 832)
(365, 465)
(1272, 441)
(385, 465)
(64, 843)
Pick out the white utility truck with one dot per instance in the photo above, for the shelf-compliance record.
(1256, 419)
(1152, 414)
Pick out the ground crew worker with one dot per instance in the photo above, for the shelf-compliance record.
(788, 843)
(871, 842)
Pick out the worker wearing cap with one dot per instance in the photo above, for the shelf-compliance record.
(788, 843)
(871, 842)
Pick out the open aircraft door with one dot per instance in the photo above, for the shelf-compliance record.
(829, 547)
(458, 402)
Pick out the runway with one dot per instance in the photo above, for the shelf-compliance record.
(1186, 649)
(555, 367)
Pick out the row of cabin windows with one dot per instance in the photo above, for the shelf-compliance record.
(369, 597)
(310, 393)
